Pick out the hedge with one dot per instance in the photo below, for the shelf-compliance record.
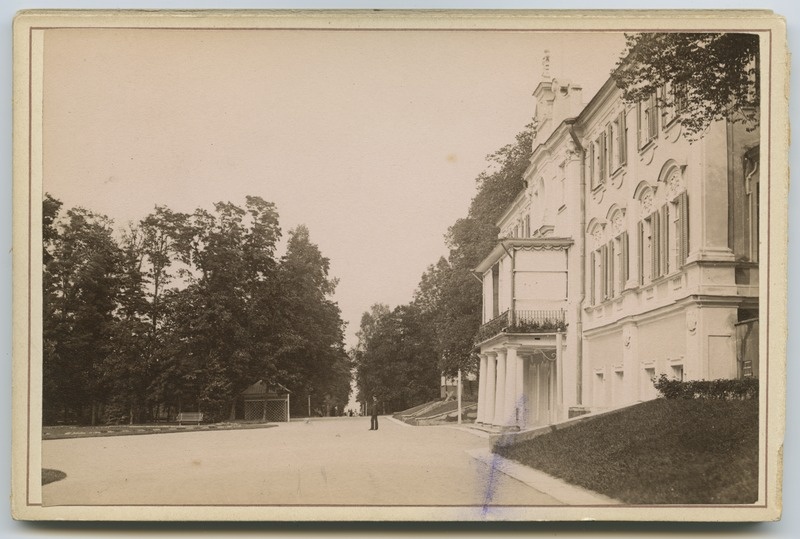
(746, 388)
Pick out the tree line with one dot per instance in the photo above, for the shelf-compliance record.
(402, 352)
(182, 312)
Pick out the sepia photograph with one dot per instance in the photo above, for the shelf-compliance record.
(399, 266)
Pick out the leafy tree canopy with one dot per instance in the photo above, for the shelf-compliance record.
(716, 75)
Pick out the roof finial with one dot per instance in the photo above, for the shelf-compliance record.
(546, 65)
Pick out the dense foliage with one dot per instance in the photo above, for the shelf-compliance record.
(396, 358)
(183, 312)
(746, 388)
(716, 76)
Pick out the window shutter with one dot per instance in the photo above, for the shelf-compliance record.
(611, 269)
(610, 148)
(664, 239)
(654, 241)
(653, 123)
(623, 260)
(603, 160)
(592, 271)
(639, 111)
(603, 272)
(622, 139)
(640, 250)
(683, 215)
(591, 165)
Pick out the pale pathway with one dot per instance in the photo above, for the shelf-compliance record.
(335, 461)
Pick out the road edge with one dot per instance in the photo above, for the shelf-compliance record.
(547, 484)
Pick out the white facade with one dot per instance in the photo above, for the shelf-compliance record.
(631, 253)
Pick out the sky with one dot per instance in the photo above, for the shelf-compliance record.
(373, 139)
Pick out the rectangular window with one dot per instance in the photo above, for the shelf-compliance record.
(611, 149)
(603, 150)
(648, 120)
(652, 119)
(677, 372)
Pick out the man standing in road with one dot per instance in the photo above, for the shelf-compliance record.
(373, 425)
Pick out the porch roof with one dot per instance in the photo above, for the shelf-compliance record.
(526, 342)
(261, 388)
(505, 245)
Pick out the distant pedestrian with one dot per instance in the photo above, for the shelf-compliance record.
(373, 425)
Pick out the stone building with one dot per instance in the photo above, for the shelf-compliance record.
(631, 253)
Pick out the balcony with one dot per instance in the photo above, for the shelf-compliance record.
(525, 321)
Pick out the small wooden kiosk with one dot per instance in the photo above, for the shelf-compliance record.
(266, 402)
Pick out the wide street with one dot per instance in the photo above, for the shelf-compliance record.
(333, 461)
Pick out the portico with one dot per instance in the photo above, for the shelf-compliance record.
(520, 376)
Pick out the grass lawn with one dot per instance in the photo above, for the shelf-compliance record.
(657, 452)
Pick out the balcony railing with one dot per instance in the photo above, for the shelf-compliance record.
(524, 321)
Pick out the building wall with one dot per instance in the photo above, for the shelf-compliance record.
(662, 264)
(684, 259)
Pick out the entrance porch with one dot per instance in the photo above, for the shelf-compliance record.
(521, 379)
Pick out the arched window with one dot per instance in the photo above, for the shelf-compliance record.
(598, 262)
(619, 266)
(647, 235)
(676, 217)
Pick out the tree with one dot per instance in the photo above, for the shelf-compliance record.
(397, 358)
(311, 359)
(127, 370)
(716, 76)
(81, 292)
(216, 333)
(504, 179)
(365, 380)
(162, 237)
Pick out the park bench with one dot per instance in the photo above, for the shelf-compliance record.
(190, 417)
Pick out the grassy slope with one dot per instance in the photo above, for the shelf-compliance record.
(658, 452)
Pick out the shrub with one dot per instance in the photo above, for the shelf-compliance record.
(528, 326)
(743, 389)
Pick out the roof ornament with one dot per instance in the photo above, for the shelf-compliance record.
(546, 65)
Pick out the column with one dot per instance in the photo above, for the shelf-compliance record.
(510, 407)
(482, 388)
(519, 394)
(558, 394)
(500, 389)
(490, 387)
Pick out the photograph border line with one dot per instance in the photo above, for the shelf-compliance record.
(766, 133)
